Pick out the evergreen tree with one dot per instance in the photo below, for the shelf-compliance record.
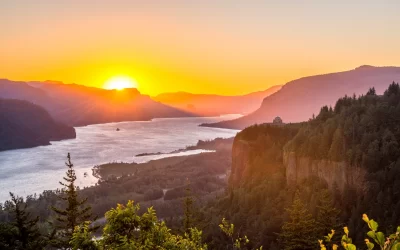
(75, 212)
(328, 216)
(300, 232)
(188, 209)
(371, 91)
(26, 233)
(393, 89)
(337, 149)
(7, 235)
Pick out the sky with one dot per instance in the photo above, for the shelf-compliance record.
(226, 47)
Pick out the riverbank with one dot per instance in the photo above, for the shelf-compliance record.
(162, 183)
(207, 149)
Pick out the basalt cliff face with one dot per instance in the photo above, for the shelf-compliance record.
(240, 162)
(337, 175)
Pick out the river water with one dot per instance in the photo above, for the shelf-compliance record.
(33, 170)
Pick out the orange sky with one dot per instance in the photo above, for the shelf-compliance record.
(224, 47)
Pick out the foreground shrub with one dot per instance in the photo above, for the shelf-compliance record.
(392, 242)
(126, 229)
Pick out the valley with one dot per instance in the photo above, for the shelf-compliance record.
(344, 161)
(42, 167)
(199, 125)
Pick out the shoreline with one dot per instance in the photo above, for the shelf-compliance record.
(102, 171)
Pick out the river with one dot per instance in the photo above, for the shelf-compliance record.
(33, 170)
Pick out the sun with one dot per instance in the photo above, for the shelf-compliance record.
(120, 83)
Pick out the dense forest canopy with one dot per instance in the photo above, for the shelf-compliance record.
(360, 131)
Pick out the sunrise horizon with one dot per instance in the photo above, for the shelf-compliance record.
(205, 47)
(137, 85)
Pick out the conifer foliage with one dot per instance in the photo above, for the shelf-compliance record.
(300, 232)
(188, 210)
(328, 216)
(28, 236)
(24, 233)
(74, 211)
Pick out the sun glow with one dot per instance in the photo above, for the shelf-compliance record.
(120, 83)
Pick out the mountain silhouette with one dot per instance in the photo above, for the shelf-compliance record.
(24, 125)
(79, 105)
(214, 105)
(299, 99)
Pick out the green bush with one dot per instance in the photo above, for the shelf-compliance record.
(384, 243)
(126, 229)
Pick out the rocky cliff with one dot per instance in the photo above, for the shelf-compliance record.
(337, 175)
(240, 161)
(257, 153)
(248, 163)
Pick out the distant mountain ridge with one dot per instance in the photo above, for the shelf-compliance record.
(213, 105)
(299, 99)
(25, 125)
(79, 105)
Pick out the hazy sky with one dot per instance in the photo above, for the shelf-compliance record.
(205, 46)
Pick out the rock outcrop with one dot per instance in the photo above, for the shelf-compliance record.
(338, 175)
(240, 161)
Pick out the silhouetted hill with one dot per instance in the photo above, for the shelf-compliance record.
(213, 105)
(298, 100)
(80, 105)
(25, 125)
(23, 91)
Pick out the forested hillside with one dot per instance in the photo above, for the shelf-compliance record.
(24, 125)
(347, 157)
